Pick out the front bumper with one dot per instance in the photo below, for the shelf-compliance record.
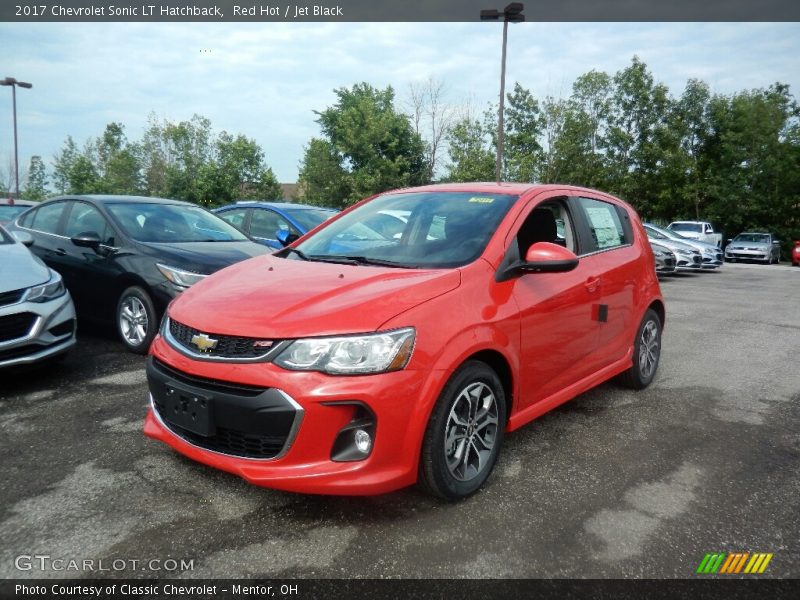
(665, 265)
(317, 408)
(744, 254)
(34, 331)
(688, 262)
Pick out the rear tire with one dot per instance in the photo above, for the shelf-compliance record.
(136, 319)
(646, 353)
(464, 434)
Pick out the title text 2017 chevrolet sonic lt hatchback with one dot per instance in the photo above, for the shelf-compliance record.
(357, 363)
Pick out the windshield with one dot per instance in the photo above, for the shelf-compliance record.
(414, 230)
(171, 223)
(758, 238)
(664, 233)
(690, 227)
(308, 218)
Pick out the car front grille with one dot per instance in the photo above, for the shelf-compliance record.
(12, 297)
(227, 346)
(16, 326)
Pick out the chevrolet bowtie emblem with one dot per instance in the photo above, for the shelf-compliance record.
(204, 343)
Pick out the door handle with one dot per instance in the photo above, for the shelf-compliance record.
(592, 283)
(60, 252)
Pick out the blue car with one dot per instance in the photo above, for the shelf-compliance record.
(262, 221)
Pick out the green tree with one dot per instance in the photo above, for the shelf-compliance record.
(375, 146)
(236, 171)
(472, 156)
(523, 125)
(36, 187)
(322, 176)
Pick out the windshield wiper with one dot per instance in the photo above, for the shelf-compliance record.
(358, 260)
(299, 253)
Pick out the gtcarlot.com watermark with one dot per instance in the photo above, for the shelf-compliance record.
(45, 562)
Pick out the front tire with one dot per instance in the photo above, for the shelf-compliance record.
(464, 434)
(646, 353)
(136, 319)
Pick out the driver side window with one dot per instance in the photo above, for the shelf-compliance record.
(85, 218)
(547, 222)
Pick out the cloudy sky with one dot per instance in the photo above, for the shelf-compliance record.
(265, 79)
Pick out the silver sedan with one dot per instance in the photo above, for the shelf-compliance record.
(37, 317)
(762, 247)
(687, 257)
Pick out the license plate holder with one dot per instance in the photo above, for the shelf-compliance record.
(189, 410)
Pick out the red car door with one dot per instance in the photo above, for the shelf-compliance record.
(616, 257)
(559, 328)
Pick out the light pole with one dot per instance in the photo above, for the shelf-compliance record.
(14, 83)
(511, 14)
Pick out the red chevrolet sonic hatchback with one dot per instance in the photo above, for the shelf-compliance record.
(399, 341)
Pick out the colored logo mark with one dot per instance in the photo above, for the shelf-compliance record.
(734, 562)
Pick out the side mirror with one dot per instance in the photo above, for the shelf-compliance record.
(87, 239)
(286, 237)
(729, 240)
(23, 237)
(544, 257)
(776, 241)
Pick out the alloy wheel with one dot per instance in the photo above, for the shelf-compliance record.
(471, 431)
(649, 349)
(133, 321)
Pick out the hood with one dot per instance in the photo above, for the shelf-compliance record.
(19, 268)
(279, 298)
(676, 245)
(203, 257)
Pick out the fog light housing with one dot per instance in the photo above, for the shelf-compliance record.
(355, 440)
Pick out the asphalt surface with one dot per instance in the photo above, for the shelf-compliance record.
(615, 483)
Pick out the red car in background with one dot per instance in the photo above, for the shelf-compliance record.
(796, 254)
(358, 363)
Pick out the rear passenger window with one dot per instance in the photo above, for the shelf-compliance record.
(46, 218)
(605, 225)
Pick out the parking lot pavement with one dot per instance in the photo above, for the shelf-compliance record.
(613, 484)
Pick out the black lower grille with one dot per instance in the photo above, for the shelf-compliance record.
(235, 419)
(11, 297)
(235, 443)
(227, 346)
(16, 326)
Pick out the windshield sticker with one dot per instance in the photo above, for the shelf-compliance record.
(480, 200)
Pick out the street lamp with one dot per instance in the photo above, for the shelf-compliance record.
(511, 14)
(14, 84)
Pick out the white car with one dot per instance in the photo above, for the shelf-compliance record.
(37, 317)
(701, 231)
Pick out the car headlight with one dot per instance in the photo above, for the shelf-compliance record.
(180, 277)
(659, 253)
(683, 251)
(47, 291)
(350, 355)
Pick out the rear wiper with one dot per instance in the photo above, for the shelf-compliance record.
(359, 260)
